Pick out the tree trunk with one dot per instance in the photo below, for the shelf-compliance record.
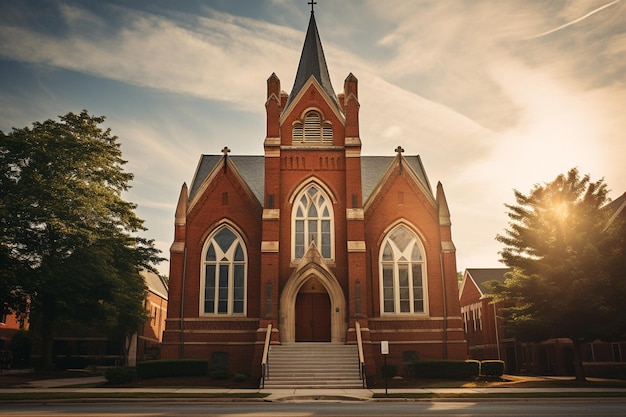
(129, 349)
(578, 360)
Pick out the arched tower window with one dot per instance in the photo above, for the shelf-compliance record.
(402, 272)
(313, 130)
(312, 221)
(224, 274)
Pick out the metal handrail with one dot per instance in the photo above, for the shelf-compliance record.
(265, 369)
(359, 341)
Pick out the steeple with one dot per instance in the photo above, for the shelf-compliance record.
(312, 63)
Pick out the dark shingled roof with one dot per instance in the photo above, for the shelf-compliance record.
(252, 169)
(483, 275)
(374, 167)
(616, 207)
(312, 63)
(155, 284)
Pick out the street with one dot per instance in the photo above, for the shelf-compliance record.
(508, 408)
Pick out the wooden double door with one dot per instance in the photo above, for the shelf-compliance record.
(312, 317)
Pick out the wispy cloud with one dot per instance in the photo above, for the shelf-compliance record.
(580, 19)
(488, 104)
(212, 61)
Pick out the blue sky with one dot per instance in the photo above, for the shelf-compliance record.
(494, 95)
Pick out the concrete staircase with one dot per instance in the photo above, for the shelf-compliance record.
(313, 365)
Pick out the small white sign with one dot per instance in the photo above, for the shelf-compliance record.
(384, 347)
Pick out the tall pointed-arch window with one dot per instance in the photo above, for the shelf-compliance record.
(224, 274)
(312, 130)
(402, 272)
(312, 222)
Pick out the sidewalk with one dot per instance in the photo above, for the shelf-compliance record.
(61, 386)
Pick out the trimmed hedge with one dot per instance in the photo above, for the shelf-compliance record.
(219, 374)
(174, 367)
(445, 369)
(121, 374)
(492, 368)
(71, 362)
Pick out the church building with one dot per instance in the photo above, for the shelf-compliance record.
(312, 240)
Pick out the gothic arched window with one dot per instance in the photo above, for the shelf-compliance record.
(402, 272)
(313, 130)
(224, 274)
(312, 221)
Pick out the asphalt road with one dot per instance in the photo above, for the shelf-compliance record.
(560, 407)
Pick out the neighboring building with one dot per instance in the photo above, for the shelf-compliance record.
(78, 346)
(9, 325)
(487, 338)
(618, 208)
(149, 340)
(482, 321)
(312, 237)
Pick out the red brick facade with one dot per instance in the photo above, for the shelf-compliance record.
(369, 198)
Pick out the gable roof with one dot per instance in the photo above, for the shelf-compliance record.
(312, 64)
(252, 168)
(481, 276)
(616, 208)
(155, 283)
(373, 168)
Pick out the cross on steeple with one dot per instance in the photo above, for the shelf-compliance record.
(399, 151)
(225, 151)
(312, 3)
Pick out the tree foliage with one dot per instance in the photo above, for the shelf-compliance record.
(67, 236)
(565, 281)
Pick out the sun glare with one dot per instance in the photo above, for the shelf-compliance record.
(560, 210)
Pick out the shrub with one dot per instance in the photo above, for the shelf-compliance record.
(492, 368)
(20, 347)
(446, 369)
(174, 367)
(239, 377)
(389, 370)
(121, 374)
(219, 374)
(70, 362)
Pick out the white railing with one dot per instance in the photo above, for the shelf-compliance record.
(265, 370)
(359, 343)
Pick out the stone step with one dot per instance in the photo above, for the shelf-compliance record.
(313, 365)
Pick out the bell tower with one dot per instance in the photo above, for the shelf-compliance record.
(313, 199)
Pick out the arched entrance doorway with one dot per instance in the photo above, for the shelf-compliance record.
(312, 276)
(313, 313)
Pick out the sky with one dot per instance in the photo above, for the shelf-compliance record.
(494, 95)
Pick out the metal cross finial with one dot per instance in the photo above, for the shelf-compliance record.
(312, 3)
(399, 151)
(225, 151)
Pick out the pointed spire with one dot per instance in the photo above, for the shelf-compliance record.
(312, 63)
(180, 218)
(444, 211)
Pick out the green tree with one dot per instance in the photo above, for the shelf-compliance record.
(564, 282)
(64, 224)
